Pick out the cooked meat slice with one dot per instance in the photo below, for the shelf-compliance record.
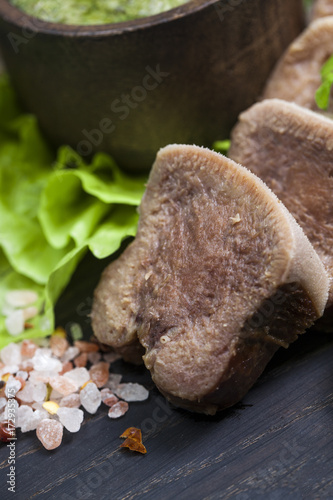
(219, 276)
(322, 8)
(291, 149)
(297, 75)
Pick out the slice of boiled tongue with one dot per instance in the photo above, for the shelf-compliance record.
(291, 149)
(296, 76)
(218, 277)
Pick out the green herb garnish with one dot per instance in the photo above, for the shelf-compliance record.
(322, 95)
(222, 146)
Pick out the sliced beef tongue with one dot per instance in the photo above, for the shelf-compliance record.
(297, 74)
(291, 149)
(219, 276)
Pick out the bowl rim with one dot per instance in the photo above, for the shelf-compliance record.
(14, 15)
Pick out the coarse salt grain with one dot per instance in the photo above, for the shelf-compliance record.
(84, 346)
(118, 410)
(59, 345)
(39, 391)
(8, 369)
(50, 433)
(28, 419)
(78, 375)
(11, 354)
(110, 401)
(21, 298)
(28, 348)
(43, 361)
(30, 312)
(81, 360)
(63, 385)
(14, 322)
(66, 367)
(99, 373)
(12, 387)
(71, 401)
(26, 394)
(132, 392)
(90, 398)
(106, 393)
(22, 374)
(69, 354)
(71, 418)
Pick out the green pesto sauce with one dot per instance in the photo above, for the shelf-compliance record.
(82, 12)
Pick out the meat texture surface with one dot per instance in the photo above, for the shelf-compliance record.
(322, 8)
(219, 276)
(291, 149)
(297, 74)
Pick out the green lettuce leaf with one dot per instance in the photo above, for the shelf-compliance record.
(54, 209)
(222, 146)
(322, 95)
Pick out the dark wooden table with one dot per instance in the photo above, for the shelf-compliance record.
(276, 445)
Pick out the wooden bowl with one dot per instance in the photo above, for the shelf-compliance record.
(133, 87)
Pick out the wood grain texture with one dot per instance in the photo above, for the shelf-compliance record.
(212, 57)
(276, 445)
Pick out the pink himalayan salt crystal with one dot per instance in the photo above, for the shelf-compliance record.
(110, 401)
(81, 360)
(106, 393)
(84, 346)
(43, 376)
(71, 401)
(100, 373)
(66, 367)
(118, 410)
(63, 385)
(50, 432)
(27, 365)
(28, 348)
(58, 345)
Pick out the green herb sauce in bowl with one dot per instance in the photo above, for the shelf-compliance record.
(89, 12)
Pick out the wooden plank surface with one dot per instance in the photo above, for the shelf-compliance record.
(277, 444)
